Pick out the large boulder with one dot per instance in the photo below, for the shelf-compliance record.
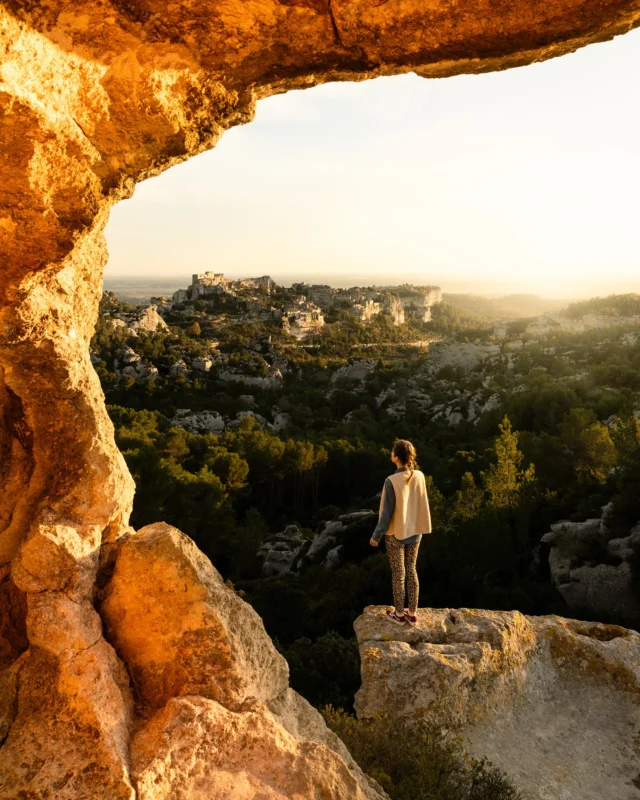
(196, 749)
(149, 320)
(181, 630)
(553, 702)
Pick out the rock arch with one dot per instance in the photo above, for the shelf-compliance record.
(94, 97)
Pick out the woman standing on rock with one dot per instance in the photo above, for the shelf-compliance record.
(404, 517)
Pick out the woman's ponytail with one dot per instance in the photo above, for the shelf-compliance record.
(406, 453)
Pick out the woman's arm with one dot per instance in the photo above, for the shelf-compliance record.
(388, 507)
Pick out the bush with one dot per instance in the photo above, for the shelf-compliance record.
(326, 671)
(418, 762)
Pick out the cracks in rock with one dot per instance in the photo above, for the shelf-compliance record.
(14, 710)
(86, 137)
(81, 651)
(64, 589)
(82, 130)
(364, 59)
(334, 24)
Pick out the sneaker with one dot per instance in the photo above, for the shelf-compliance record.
(411, 618)
(393, 617)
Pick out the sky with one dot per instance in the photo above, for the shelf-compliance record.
(518, 181)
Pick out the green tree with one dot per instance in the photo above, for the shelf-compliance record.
(625, 435)
(504, 481)
(468, 499)
(437, 504)
(589, 441)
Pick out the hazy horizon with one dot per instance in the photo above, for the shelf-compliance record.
(488, 290)
(514, 182)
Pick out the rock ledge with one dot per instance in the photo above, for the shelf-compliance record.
(554, 702)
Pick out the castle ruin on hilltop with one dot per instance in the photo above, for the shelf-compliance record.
(206, 283)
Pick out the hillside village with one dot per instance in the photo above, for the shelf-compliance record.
(301, 309)
(288, 315)
(457, 382)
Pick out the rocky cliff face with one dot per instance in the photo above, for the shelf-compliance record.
(95, 96)
(554, 702)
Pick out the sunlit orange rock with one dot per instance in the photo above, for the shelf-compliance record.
(180, 630)
(196, 749)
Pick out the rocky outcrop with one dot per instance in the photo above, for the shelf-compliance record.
(144, 318)
(94, 97)
(553, 702)
(129, 364)
(465, 356)
(272, 380)
(280, 553)
(596, 574)
(356, 369)
(73, 711)
(553, 323)
(180, 630)
(336, 542)
(198, 421)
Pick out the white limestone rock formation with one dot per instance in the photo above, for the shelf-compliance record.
(198, 422)
(466, 355)
(281, 420)
(201, 364)
(272, 380)
(129, 364)
(179, 368)
(149, 320)
(289, 552)
(596, 574)
(553, 702)
(280, 553)
(355, 369)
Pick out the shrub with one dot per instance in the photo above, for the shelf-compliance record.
(418, 761)
(325, 671)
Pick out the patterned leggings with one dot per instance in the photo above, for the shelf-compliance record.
(403, 557)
